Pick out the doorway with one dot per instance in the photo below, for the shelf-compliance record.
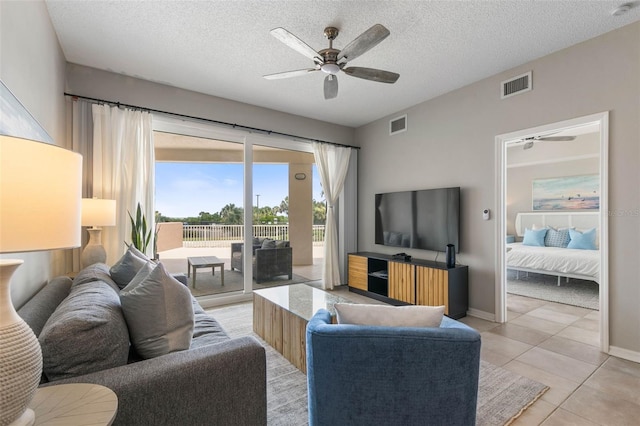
(598, 122)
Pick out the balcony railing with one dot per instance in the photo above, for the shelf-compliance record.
(224, 235)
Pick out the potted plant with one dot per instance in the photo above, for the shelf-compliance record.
(140, 232)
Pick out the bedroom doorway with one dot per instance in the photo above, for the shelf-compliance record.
(580, 146)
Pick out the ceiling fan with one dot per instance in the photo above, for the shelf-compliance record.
(331, 61)
(528, 142)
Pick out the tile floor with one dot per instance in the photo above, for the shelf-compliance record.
(558, 345)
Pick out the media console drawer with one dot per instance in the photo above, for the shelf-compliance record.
(417, 282)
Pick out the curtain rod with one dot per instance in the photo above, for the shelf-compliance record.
(208, 120)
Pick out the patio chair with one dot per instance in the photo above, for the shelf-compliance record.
(267, 262)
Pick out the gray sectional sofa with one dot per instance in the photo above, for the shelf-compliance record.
(217, 380)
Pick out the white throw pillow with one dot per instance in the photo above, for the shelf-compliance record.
(390, 316)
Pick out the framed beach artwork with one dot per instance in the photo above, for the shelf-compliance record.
(16, 121)
(567, 193)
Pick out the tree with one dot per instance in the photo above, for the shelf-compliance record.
(319, 212)
(206, 217)
(284, 206)
(232, 215)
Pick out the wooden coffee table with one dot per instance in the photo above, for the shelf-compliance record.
(281, 314)
(204, 262)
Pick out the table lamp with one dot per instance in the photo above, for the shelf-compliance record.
(96, 213)
(40, 192)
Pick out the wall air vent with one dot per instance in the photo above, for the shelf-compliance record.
(516, 85)
(398, 125)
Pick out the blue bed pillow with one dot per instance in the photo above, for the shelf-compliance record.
(557, 237)
(582, 240)
(534, 237)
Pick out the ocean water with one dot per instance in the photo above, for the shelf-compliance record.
(583, 203)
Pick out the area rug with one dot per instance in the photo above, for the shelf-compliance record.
(502, 394)
(207, 284)
(576, 292)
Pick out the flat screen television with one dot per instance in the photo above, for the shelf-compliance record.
(427, 219)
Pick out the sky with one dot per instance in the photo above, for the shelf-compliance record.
(186, 189)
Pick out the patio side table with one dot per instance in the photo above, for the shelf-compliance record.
(204, 262)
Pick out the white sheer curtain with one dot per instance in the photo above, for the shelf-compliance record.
(332, 162)
(123, 170)
(80, 137)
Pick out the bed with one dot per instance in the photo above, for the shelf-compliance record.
(560, 262)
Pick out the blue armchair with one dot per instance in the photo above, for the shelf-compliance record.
(368, 375)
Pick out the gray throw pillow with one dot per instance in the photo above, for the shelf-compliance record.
(282, 243)
(159, 312)
(86, 333)
(268, 243)
(126, 268)
(95, 272)
(138, 253)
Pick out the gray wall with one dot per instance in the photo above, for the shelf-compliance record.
(33, 68)
(450, 141)
(99, 84)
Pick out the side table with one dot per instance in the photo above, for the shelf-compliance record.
(205, 262)
(74, 404)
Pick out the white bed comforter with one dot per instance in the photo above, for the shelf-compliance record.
(554, 259)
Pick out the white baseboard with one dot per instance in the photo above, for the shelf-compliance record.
(481, 314)
(624, 354)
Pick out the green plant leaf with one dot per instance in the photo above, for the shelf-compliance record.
(140, 235)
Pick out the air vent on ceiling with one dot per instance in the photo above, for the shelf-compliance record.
(516, 85)
(398, 125)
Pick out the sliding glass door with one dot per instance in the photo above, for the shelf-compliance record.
(217, 189)
(284, 196)
(199, 211)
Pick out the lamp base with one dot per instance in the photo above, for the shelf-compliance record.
(94, 252)
(20, 355)
(26, 419)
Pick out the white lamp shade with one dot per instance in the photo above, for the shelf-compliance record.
(40, 193)
(97, 212)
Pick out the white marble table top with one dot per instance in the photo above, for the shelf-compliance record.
(301, 299)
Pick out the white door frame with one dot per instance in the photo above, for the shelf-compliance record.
(602, 119)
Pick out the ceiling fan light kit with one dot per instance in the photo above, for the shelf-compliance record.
(330, 68)
(331, 61)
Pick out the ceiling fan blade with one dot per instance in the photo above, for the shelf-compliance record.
(330, 86)
(288, 74)
(295, 43)
(364, 42)
(372, 74)
(557, 138)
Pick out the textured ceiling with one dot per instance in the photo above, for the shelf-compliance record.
(223, 48)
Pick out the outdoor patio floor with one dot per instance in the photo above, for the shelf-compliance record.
(175, 261)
